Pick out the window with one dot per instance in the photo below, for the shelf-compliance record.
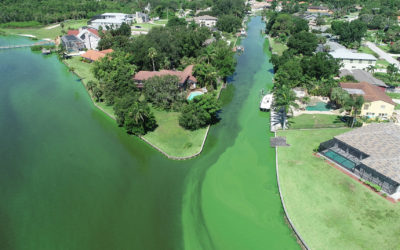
(383, 106)
(366, 106)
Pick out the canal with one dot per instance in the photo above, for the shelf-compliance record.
(71, 179)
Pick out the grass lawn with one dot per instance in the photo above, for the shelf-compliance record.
(172, 138)
(315, 121)
(329, 209)
(277, 46)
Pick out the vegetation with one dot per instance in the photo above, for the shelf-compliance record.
(328, 208)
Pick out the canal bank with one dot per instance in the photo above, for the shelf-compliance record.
(71, 179)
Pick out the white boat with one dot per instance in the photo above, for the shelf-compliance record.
(266, 102)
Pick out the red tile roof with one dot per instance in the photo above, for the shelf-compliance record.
(186, 74)
(94, 55)
(372, 93)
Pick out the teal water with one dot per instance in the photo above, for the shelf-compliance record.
(71, 179)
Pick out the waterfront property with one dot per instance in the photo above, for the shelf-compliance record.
(352, 60)
(72, 44)
(94, 55)
(371, 152)
(186, 78)
(377, 104)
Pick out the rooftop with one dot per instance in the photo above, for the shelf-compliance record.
(363, 76)
(381, 142)
(348, 54)
(372, 93)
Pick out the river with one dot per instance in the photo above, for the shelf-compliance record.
(71, 179)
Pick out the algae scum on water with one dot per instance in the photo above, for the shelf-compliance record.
(71, 179)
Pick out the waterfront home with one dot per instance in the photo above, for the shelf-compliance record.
(371, 152)
(352, 60)
(363, 76)
(186, 78)
(376, 103)
(320, 10)
(90, 37)
(94, 55)
(110, 20)
(207, 21)
(72, 44)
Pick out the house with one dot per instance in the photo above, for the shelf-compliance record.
(90, 37)
(208, 21)
(371, 152)
(110, 20)
(376, 103)
(363, 76)
(186, 78)
(94, 55)
(321, 10)
(352, 60)
(72, 44)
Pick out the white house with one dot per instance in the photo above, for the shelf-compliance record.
(352, 60)
(110, 20)
(208, 21)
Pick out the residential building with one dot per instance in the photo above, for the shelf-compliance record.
(94, 55)
(321, 10)
(371, 152)
(110, 20)
(186, 78)
(90, 37)
(72, 44)
(352, 60)
(363, 76)
(208, 21)
(376, 103)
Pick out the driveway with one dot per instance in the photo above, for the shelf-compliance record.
(382, 54)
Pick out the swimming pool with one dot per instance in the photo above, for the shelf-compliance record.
(194, 94)
(319, 106)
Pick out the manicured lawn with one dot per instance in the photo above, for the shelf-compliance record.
(315, 121)
(172, 138)
(329, 209)
(41, 32)
(276, 46)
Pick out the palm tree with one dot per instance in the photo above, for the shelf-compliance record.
(371, 69)
(152, 54)
(284, 101)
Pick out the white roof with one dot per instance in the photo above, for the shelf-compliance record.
(348, 54)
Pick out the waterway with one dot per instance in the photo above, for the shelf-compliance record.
(71, 179)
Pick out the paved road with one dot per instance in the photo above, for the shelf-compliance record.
(383, 54)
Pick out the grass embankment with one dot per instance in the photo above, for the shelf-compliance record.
(40, 32)
(168, 136)
(328, 208)
(315, 121)
(276, 46)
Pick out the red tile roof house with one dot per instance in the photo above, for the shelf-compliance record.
(186, 78)
(94, 55)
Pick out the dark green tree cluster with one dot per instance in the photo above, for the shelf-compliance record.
(200, 112)
(349, 32)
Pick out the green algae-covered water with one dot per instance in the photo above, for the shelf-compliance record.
(71, 179)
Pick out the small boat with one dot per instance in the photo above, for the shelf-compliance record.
(266, 102)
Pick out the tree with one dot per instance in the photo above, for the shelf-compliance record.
(206, 75)
(303, 43)
(134, 115)
(163, 92)
(284, 100)
(200, 112)
(152, 54)
(228, 23)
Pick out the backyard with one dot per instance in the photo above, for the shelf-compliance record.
(42, 32)
(306, 121)
(329, 209)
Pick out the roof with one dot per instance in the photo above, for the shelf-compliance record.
(95, 55)
(363, 76)
(381, 142)
(372, 93)
(206, 17)
(183, 76)
(348, 54)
